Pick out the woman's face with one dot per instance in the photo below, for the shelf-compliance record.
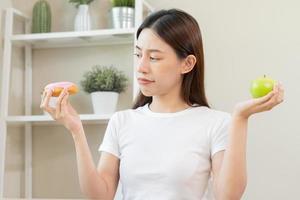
(157, 62)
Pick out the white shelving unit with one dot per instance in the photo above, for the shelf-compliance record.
(75, 39)
(44, 119)
(49, 40)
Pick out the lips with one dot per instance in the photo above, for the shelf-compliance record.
(144, 81)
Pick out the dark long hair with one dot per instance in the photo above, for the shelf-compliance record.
(181, 31)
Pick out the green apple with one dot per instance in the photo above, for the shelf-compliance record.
(261, 86)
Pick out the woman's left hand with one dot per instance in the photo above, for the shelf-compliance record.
(247, 108)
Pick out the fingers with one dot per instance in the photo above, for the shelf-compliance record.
(61, 104)
(281, 93)
(45, 102)
(276, 99)
(64, 102)
(264, 99)
(58, 103)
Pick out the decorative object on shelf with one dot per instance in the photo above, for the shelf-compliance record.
(122, 13)
(104, 84)
(83, 19)
(41, 17)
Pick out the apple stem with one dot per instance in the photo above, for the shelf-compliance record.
(264, 76)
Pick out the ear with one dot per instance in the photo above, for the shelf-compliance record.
(188, 64)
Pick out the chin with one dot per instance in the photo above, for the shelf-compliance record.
(147, 93)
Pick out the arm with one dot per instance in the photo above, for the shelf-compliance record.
(229, 167)
(95, 183)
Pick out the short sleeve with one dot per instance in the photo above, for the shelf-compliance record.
(110, 141)
(219, 136)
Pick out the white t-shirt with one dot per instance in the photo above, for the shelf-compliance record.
(165, 156)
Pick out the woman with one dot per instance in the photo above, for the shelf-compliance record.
(169, 143)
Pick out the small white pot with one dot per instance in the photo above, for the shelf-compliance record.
(104, 102)
(83, 19)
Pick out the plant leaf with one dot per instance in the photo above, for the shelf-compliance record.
(103, 78)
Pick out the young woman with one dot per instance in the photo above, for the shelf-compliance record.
(171, 141)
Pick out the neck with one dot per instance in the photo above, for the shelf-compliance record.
(167, 105)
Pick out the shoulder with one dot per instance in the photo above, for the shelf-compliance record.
(217, 117)
(219, 114)
(214, 114)
(122, 115)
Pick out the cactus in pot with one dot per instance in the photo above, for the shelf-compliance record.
(41, 17)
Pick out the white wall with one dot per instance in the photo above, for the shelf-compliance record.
(242, 40)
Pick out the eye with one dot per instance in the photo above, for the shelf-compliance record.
(137, 55)
(154, 59)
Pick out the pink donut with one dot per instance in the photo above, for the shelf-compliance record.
(58, 87)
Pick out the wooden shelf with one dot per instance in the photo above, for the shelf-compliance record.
(75, 39)
(46, 120)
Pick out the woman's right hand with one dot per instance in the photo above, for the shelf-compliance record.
(63, 113)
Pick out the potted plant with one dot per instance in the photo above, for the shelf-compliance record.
(104, 84)
(122, 13)
(83, 19)
(41, 17)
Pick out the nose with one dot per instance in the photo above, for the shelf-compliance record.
(142, 65)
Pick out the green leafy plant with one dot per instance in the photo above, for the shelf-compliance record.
(122, 3)
(81, 2)
(103, 78)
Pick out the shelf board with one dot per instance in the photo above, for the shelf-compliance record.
(46, 119)
(39, 199)
(75, 39)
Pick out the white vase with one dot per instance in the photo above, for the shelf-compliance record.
(83, 19)
(104, 102)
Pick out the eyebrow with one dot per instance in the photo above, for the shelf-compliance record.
(150, 50)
